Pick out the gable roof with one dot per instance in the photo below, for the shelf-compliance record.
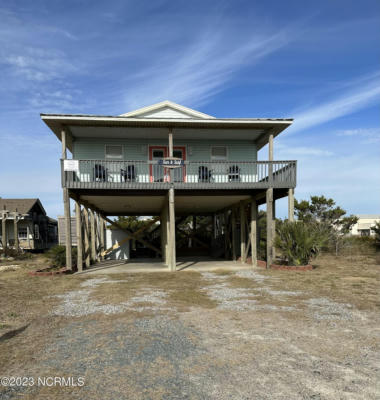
(166, 109)
(23, 205)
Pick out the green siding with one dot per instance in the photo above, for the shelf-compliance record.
(94, 149)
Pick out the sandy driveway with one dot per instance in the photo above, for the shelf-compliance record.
(208, 335)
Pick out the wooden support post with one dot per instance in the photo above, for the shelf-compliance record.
(167, 227)
(269, 201)
(291, 205)
(28, 235)
(3, 229)
(243, 234)
(64, 146)
(270, 147)
(97, 231)
(273, 228)
(226, 231)
(253, 232)
(78, 217)
(170, 142)
(86, 230)
(93, 237)
(172, 245)
(164, 232)
(66, 204)
(214, 226)
(233, 228)
(102, 238)
(15, 230)
(162, 236)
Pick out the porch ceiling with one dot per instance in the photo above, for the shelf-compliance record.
(127, 205)
(162, 133)
(153, 205)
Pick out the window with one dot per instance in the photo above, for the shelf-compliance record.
(219, 153)
(114, 152)
(23, 233)
(365, 232)
(177, 154)
(157, 154)
(36, 232)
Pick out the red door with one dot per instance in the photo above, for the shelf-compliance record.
(160, 174)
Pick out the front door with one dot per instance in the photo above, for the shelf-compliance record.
(160, 174)
(157, 172)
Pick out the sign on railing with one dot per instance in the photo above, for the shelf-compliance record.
(71, 165)
(171, 162)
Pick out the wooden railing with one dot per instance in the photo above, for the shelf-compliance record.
(118, 174)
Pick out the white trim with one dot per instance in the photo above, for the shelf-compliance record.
(170, 104)
(112, 158)
(181, 121)
(216, 158)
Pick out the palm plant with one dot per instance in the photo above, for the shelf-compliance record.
(300, 241)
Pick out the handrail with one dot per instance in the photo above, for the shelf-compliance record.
(120, 173)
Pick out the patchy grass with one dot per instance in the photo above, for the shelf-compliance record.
(355, 280)
(183, 289)
(295, 346)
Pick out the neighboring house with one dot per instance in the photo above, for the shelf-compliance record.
(364, 224)
(169, 161)
(35, 230)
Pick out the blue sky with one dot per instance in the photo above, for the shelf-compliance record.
(317, 62)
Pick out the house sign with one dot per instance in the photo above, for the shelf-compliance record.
(171, 162)
(71, 165)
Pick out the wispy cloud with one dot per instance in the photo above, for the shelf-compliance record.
(37, 64)
(366, 135)
(203, 67)
(288, 150)
(362, 93)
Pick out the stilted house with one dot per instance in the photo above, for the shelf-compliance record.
(172, 163)
(25, 225)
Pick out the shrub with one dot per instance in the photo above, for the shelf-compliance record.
(17, 255)
(57, 256)
(300, 241)
(358, 245)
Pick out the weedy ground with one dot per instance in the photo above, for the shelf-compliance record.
(240, 334)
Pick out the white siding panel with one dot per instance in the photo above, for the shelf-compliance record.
(114, 236)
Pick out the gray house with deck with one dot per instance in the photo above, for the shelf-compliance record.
(171, 162)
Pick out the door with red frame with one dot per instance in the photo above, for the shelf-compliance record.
(158, 173)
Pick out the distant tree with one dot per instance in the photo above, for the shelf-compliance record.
(324, 211)
(131, 223)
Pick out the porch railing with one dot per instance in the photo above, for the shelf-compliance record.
(106, 173)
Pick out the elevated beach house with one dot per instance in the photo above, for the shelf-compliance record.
(171, 162)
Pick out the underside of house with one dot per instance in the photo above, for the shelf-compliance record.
(196, 175)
